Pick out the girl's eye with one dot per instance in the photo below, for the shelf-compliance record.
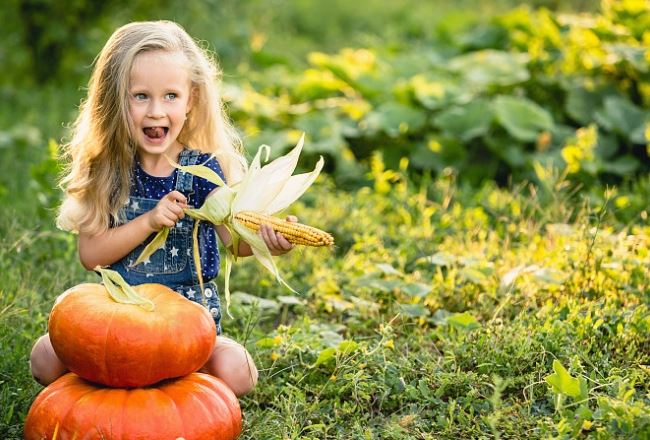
(140, 96)
(171, 96)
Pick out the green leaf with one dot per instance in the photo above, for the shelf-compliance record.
(262, 303)
(121, 292)
(581, 104)
(468, 122)
(414, 310)
(395, 119)
(491, 67)
(463, 321)
(522, 118)
(622, 166)
(347, 347)
(290, 300)
(388, 269)
(155, 244)
(550, 275)
(416, 289)
(201, 171)
(562, 382)
(438, 259)
(266, 343)
(324, 356)
(473, 275)
(621, 116)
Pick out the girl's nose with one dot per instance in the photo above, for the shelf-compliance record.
(155, 109)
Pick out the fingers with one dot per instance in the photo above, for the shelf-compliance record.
(275, 241)
(269, 237)
(177, 198)
(283, 242)
(169, 210)
(292, 218)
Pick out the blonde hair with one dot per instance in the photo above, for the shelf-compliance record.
(102, 151)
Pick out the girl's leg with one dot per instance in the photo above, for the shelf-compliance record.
(231, 363)
(44, 363)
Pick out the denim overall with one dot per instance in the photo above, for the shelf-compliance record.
(172, 265)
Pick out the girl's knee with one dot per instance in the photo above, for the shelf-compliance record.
(44, 364)
(232, 363)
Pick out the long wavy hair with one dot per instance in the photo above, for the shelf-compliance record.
(100, 155)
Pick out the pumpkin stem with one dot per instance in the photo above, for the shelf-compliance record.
(120, 291)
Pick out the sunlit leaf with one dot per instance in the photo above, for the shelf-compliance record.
(522, 118)
(463, 321)
(563, 383)
(201, 171)
(347, 347)
(388, 269)
(438, 259)
(486, 67)
(468, 122)
(325, 355)
(416, 289)
(414, 310)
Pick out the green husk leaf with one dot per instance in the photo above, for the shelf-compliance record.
(155, 244)
(201, 171)
(120, 291)
(197, 258)
(260, 251)
(228, 268)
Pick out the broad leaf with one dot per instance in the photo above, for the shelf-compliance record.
(522, 118)
(468, 122)
(563, 383)
(325, 355)
(491, 67)
(463, 321)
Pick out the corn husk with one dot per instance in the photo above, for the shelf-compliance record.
(265, 189)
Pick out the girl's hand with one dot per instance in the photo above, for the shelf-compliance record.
(275, 241)
(168, 211)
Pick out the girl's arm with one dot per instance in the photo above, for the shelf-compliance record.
(275, 241)
(116, 243)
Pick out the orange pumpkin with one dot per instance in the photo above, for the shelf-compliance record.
(125, 345)
(195, 407)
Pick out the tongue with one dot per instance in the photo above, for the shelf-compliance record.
(154, 132)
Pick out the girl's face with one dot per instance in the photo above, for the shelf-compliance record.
(159, 99)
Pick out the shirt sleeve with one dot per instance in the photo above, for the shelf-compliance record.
(204, 187)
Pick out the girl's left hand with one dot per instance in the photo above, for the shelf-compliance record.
(275, 241)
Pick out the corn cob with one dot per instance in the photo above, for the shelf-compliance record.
(295, 233)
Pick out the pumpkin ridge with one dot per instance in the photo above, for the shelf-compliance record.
(182, 433)
(154, 357)
(204, 381)
(104, 364)
(64, 387)
(203, 393)
(70, 412)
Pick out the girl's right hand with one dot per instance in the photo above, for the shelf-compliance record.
(168, 211)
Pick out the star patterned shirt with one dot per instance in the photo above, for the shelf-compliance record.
(153, 187)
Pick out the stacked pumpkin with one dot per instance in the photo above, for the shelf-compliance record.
(133, 353)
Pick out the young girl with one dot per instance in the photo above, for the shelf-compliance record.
(153, 93)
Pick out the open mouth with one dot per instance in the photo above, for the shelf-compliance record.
(155, 133)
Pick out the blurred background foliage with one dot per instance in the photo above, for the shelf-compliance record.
(487, 91)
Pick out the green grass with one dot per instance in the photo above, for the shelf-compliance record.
(437, 315)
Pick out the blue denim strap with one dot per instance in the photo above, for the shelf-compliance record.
(185, 181)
